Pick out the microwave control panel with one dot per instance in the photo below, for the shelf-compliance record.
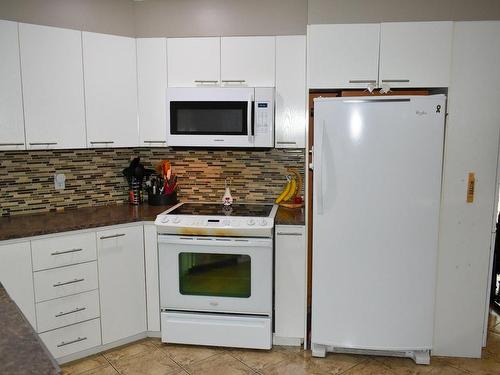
(262, 117)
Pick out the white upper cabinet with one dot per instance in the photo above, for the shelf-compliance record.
(109, 63)
(11, 99)
(193, 62)
(51, 65)
(415, 54)
(152, 86)
(343, 56)
(290, 91)
(248, 61)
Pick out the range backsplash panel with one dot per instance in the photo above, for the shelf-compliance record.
(94, 176)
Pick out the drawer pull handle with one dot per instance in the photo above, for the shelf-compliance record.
(155, 142)
(68, 282)
(71, 342)
(113, 236)
(286, 143)
(11, 144)
(233, 81)
(362, 81)
(66, 251)
(396, 80)
(78, 309)
(42, 143)
(289, 234)
(206, 81)
(101, 142)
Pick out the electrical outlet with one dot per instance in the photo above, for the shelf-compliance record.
(59, 181)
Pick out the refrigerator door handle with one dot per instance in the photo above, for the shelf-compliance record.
(318, 168)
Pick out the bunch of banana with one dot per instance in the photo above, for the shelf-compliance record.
(293, 186)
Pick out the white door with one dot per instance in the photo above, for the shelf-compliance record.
(16, 276)
(152, 90)
(152, 278)
(377, 184)
(343, 56)
(225, 275)
(415, 54)
(248, 61)
(51, 65)
(290, 282)
(193, 62)
(121, 282)
(109, 63)
(11, 99)
(290, 91)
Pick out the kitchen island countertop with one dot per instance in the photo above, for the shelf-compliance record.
(30, 225)
(21, 348)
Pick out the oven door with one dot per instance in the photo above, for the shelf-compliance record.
(215, 274)
(210, 117)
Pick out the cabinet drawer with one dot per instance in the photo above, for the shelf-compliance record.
(63, 251)
(73, 339)
(68, 310)
(64, 281)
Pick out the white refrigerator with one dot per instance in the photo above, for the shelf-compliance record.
(377, 187)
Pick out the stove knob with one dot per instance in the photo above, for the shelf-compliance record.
(251, 222)
(165, 220)
(263, 223)
(176, 220)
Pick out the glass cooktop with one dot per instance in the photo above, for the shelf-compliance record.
(213, 209)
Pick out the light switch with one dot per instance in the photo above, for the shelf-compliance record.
(59, 181)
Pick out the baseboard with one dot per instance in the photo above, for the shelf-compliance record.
(156, 334)
(287, 341)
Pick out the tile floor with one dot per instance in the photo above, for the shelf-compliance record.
(151, 357)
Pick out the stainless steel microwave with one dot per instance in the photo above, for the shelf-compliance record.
(220, 117)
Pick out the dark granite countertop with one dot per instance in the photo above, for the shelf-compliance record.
(30, 225)
(22, 350)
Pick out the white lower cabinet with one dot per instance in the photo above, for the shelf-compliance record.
(152, 278)
(68, 310)
(290, 284)
(72, 339)
(17, 278)
(120, 254)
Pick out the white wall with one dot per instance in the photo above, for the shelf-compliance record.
(465, 228)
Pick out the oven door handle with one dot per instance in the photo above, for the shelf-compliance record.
(218, 242)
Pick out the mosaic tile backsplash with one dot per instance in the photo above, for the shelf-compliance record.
(94, 176)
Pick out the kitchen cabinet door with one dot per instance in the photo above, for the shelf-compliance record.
(343, 56)
(52, 71)
(290, 284)
(152, 278)
(152, 86)
(109, 64)
(11, 98)
(290, 91)
(415, 54)
(248, 61)
(193, 62)
(16, 276)
(120, 256)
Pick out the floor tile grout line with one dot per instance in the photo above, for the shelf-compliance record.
(107, 360)
(239, 360)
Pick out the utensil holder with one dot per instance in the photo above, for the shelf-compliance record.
(162, 199)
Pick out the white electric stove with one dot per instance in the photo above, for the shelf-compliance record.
(216, 267)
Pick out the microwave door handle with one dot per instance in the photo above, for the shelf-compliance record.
(250, 120)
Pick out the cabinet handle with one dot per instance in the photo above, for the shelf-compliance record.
(286, 143)
(100, 142)
(68, 282)
(42, 143)
(206, 81)
(362, 81)
(78, 309)
(113, 236)
(233, 80)
(155, 141)
(65, 251)
(12, 144)
(289, 234)
(396, 80)
(71, 342)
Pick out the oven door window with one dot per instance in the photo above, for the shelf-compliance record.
(222, 275)
(209, 118)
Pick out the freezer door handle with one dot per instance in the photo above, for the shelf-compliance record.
(318, 168)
